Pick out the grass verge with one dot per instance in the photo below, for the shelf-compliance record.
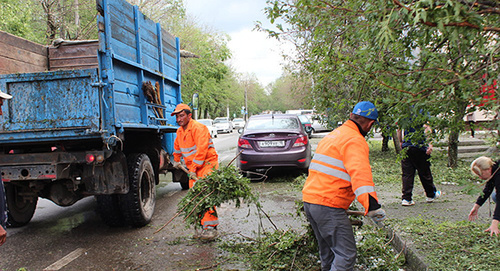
(448, 245)
(451, 245)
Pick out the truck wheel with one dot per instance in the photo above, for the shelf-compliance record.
(20, 207)
(139, 203)
(108, 208)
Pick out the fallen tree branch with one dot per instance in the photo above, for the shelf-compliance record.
(212, 266)
(194, 208)
(178, 212)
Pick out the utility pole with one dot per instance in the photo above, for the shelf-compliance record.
(245, 116)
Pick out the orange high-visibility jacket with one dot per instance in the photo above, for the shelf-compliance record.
(340, 170)
(195, 145)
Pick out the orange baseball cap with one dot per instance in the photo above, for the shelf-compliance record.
(179, 108)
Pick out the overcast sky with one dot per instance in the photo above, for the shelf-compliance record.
(252, 51)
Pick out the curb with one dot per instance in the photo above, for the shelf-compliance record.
(413, 260)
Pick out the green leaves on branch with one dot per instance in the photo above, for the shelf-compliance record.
(279, 250)
(223, 185)
(396, 54)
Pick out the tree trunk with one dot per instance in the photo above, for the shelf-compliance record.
(395, 140)
(453, 149)
(77, 19)
(51, 21)
(385, 143)
(457, 128)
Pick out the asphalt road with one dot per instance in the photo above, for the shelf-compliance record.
(75, 238)
(225, 145)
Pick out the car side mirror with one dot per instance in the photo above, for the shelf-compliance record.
(308, 129)
(240, 131)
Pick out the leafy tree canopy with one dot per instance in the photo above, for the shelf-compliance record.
(429, 55)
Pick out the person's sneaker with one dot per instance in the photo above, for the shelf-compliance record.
(208, 234)
(407, 202)
(437, 194)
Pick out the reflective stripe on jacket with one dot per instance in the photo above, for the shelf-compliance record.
(195, 145)
(340, 170)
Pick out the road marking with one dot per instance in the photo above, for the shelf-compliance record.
(169, 194)
(65, 260)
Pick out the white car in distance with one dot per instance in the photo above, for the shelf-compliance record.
(210, 125)
(223, 125)
(238, 123)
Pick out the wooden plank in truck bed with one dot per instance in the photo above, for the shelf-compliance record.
(74, 55)
(18, 55)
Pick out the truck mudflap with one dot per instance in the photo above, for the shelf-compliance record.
(110, 178)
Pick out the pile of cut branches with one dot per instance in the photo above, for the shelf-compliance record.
(222, 185)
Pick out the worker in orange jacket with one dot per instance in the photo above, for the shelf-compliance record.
(339, 172)
(194, 145)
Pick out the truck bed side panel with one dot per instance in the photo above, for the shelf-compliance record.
(20, 55)
(141, 52)
(58, 105)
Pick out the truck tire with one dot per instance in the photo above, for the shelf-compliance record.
(139, 203)
(20, 208)
(108, 208)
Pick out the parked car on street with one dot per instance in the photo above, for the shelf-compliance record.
(307, 123)
(223, 125)
(210, 125)
(319, 124)
(277, 140)
(238, 123)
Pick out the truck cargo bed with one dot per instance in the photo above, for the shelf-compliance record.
(60, 105)
(103, 101)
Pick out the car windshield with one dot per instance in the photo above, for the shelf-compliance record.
(273, 124)
(304, 118)
(220, 120)
(205, 122)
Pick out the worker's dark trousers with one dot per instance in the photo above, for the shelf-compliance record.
(417, 160)
(333, 231)
(3, 206)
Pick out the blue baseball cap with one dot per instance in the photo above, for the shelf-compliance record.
(366, 109)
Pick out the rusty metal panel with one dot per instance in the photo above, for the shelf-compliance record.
(20, 55)
(74, 55)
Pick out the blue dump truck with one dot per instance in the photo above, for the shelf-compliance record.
(91, 118)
